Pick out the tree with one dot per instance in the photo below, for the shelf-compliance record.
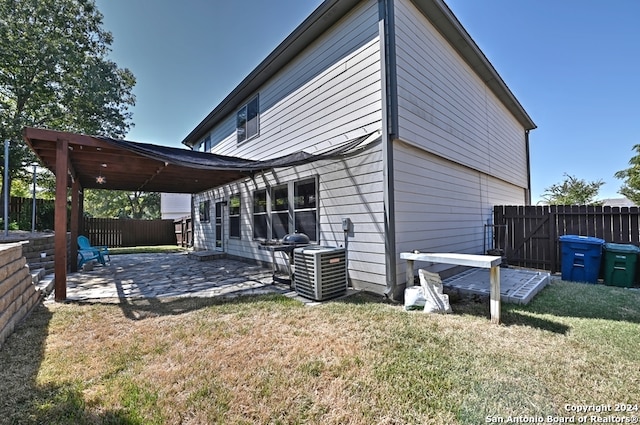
(118, 204)
(631, 178)
(573, 191)
(54, 73)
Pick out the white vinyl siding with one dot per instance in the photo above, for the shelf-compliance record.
(459, 150)
(446, 109)
(442, 206)
(331, 92)
(347, 188)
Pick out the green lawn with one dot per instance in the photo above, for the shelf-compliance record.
(272, 360)
(159, 249)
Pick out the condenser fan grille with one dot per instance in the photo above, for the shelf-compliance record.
(320, 272)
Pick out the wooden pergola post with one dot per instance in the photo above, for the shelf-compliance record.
(60, 225)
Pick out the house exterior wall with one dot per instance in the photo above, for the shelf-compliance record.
(445, 108)
(329, 94)
(460, 151)
(175, 205)
(347, 188)
(442, 206)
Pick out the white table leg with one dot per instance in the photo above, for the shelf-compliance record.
(495, 294)
(409, 273)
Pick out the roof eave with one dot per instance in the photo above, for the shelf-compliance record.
(326, 15)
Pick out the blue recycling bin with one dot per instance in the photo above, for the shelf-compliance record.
(581, 257)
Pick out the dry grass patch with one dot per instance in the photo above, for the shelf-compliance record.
(272, 360)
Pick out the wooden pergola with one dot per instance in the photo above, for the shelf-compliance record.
(92, 162)
(80, 161)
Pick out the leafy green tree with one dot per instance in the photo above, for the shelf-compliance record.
(631, 178)
(20, 188)
(573, 191)
(54, 73)
(118, 204)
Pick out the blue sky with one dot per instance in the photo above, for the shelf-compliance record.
(573, 64)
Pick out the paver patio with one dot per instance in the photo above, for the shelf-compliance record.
(170, 275)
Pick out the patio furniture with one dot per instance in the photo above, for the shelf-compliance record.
(482, 261)
(87, 252)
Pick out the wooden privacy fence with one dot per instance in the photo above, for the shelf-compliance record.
(18, 206)
(128, 232)
(530, 234)
(183, 228)
(20, 211)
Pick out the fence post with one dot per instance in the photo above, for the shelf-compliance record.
(553, 239)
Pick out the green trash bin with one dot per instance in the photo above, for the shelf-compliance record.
(620, 264)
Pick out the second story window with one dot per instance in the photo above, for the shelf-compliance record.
(247, 120)
(207, 144)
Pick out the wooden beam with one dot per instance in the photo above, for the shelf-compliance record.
(30, 133)
(60, 238)
(158, 171)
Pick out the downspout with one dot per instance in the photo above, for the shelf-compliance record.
(386, 28)
(528, 194)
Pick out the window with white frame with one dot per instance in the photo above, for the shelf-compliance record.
(207, 144)
(204, 212)
(279, 211)
(291, 207)
(247, 120)
(218, 225)
(305, 212)
(260, 214)
(234, 216)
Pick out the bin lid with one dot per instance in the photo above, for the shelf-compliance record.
(582, 239)
(621, 248)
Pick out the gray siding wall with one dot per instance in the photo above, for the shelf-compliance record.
(446, 109)
(175, 205)
(327, 95)
(442, 206)
(460, 150)
(331, 93)
(347, 188)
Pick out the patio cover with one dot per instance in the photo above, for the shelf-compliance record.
(102, 163)
(134, 166)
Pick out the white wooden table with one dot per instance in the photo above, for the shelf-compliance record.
(483, 261)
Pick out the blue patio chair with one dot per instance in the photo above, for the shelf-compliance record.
(87, 253)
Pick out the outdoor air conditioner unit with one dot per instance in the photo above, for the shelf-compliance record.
(320, 272)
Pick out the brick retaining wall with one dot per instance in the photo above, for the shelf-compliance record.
(18, 294)
(34, 247)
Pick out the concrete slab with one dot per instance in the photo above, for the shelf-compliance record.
(517, 286)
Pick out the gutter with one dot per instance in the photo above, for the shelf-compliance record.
(390, 133)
